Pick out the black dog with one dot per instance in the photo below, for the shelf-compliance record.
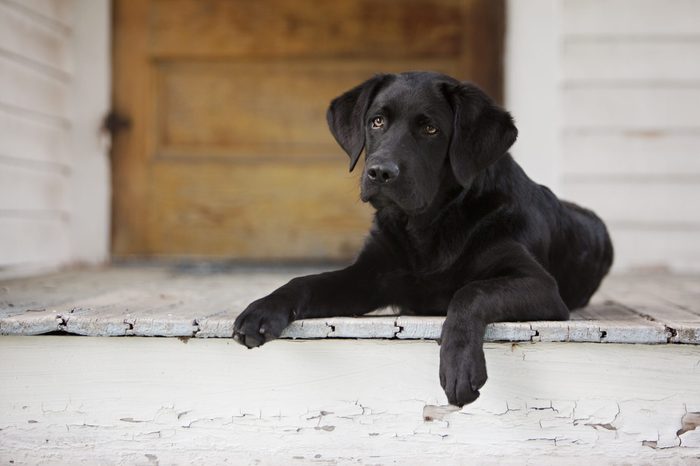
(459, 229)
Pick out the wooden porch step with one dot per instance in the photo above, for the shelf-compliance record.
(342, 391)
(203, 302)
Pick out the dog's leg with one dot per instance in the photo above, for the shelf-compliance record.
(355, 290)
(519, 290)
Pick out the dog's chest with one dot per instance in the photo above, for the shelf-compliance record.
(426, 295)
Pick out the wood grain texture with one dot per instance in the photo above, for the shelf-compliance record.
(132, 88)
(261, 110)
(342, 401)
(264, 209)
(308, 28)
(204, 301)
(228, 153)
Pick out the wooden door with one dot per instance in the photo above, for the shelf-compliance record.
(227, 154)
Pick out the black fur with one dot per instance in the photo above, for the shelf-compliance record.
(459, 229)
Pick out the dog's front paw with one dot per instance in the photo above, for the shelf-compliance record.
(263, 320)
(462, 365)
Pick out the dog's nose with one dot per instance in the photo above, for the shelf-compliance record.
(383, 173)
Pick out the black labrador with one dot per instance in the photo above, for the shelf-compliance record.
(459, 230)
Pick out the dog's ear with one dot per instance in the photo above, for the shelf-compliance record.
(482, 131)
(346, 116)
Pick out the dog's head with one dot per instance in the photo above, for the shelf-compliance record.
(421, 132)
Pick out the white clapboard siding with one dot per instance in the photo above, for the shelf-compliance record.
(26, 88)
(655, 247)
(631, 201)
(629, 129)
(37, 42)
(32, 189)
(629, 153)
(590, 60)
(33, 241)
(59, 12)
(630, 17)
(35, 80)
(30, 139)
(631, 107)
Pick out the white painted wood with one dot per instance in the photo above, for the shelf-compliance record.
(635, 61)
(630, 17)
(23, 36)
(90, 101)
(530, 84)
(629, 131)
(138, 301)
(630, 107)
(637, 248)
(32, 189)
(624, 77)
(27, 88)
(31, 140)
(32, 242)
(59, 12)
(634, 154)
(140, 401)
(650, 202)
(54, 172)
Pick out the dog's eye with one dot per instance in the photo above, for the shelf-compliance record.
(377, 122)
(431, 130)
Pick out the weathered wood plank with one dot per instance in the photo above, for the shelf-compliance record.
(364, 402)
(159, 301)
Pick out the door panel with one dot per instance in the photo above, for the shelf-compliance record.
(270, 110)
(308, 28)
(228, 154)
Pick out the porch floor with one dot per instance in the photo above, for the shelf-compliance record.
(203, 301)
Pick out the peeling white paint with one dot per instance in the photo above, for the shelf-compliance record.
(115, 400)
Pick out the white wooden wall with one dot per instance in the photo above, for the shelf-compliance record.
(54, 89)
(620, 82)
